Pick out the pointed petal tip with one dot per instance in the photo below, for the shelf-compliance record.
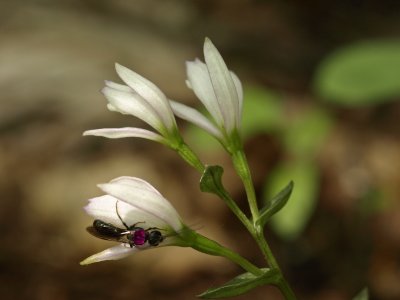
(104, 90)
(85, 262)
(88, 132)
(101, 185)
(208, 44)
(89, 260)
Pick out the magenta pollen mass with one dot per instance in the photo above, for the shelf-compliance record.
(139, 237)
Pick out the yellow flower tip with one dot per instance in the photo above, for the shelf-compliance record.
(208, 43)
(86, 262)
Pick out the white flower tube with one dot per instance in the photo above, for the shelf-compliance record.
(220, 91)
(130, 208)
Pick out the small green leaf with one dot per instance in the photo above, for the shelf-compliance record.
(360, 74)
(211, 180)
(363, 295)
(241, 284)
(275, 204)
(291, 220)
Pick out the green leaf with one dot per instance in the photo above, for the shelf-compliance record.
(363, 295)
(275, 204)
(262, 111)
(202, 140)
(363, 73)
(306, 132)
(211, 180)
(241, 284)
(291, 220)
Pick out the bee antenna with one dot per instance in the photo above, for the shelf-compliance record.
(116, 210)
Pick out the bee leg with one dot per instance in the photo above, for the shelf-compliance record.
(135, 225)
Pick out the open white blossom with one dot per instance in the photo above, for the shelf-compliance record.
(220, 91)
(132, 201)
(142, 99)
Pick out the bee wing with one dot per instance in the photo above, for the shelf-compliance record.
(121, 239)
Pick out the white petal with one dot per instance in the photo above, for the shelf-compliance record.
(150, 92)
(114, 253)
(133, 104)
(239, 90)
(117, 86)
(105, 208)
(192, 115)
(199, 81)
(143, 183)
(137, 193)
(223, 84)
(125, 132)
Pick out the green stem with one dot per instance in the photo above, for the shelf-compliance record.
(223, 194)
(285, 289)
(242, 168)
(205, 245)
(190, 157)
(282, 284)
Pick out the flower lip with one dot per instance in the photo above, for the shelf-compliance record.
(113, 253)
(117, 133)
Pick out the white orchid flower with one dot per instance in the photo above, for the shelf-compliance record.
(220, 91)
(144, 100)
(133, 209)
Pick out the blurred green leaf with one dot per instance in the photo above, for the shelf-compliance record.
(291, 220)
(304, 135)
(359, 74)
(241, 284)
(197, 138)
(262, 111)
(275, 204)
(363, 295)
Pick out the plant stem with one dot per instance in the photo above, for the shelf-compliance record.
(285, 289)
(190, 157)
(242, 168)
(223, 194)
(282, 284)
(205, 245)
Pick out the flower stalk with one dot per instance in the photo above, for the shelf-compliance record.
(208, 246)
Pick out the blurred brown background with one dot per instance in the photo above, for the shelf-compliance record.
(54, 56)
